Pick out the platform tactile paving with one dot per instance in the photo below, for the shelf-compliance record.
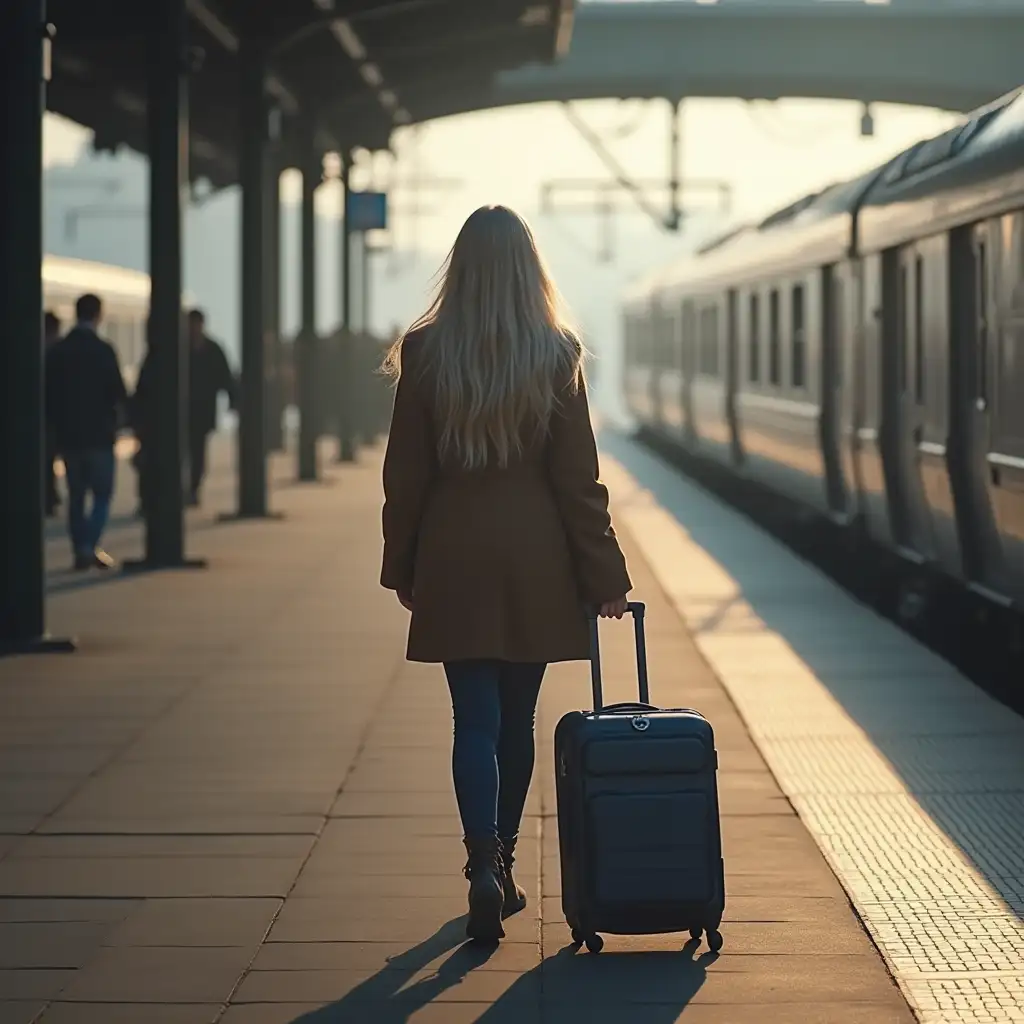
(909, 777)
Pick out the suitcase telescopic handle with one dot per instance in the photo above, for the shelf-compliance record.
(636, 609)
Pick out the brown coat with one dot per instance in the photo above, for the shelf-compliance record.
(499, 561)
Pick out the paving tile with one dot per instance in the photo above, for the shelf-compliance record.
(20, 1011)
(396, 956)
(678, 978)
(331, 920)
(39, 847)
(53, 945)
(186, 824)
(276, 1013)
(451, 982)
(29, 909)
(344, 881)
(149, 876)
(388, 1012)
(729, 1012)
(741, 938)
(130, 1013)
(386, 805)
(28, 985)
(196, 922)
(154, 974)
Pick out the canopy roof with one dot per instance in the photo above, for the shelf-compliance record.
(353, 69)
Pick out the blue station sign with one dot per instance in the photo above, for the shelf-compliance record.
(367, 211)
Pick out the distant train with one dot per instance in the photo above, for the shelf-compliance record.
(862, 353)
(125, 295)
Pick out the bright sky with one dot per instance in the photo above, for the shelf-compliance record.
(769, 153)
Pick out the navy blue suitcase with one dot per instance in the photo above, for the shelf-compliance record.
(638, 824)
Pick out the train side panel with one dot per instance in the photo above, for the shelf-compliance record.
(1002, 391)
(777, 404)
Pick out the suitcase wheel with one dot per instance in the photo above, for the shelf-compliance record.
(595, 944)
(715, 939)
(696, 933)
(577, 937)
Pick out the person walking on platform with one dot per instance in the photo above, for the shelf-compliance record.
(85, 399)
(496, 525)
(51, 335)
(209, 374)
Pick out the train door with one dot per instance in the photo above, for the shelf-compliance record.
(970, 277)
(913, 397)
(657, 362)
(868, 408)
(833, 407)
(1006, 381)
(688, 333)
(732, 372)
(900, 421)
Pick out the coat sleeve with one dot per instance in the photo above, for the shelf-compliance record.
(583, 501)
(410, 465)
(115, 380)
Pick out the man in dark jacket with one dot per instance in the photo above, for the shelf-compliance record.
(51, 335)
(209, 374)
(85, 398)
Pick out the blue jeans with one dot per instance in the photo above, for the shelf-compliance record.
(494, 705)
(88, 472)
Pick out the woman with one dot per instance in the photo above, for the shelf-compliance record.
(496, 528)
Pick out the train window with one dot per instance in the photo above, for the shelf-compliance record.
(709, 341)
(799, 341)
(919, 351)
(774, 340)
(895, 170)
(1013, 233)
(754, 370)
(981, 294)
(932, 152)
(688, 338)
(902, 328)
(1010, 381)
(834, 324)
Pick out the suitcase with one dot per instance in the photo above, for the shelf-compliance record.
(638, 824)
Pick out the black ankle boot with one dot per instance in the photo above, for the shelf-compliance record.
(515, 895)
(486, 888)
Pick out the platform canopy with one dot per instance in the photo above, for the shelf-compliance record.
(352, 69)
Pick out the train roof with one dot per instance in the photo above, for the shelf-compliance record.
(105, 280)
(969, 172)
(101, 278)
(642, 287)
(815, 229)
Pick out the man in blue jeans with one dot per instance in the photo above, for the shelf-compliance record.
(85, 398)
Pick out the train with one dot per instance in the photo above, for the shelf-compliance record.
(125, 295)
(860, 354)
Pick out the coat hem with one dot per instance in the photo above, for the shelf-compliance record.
(555, 660)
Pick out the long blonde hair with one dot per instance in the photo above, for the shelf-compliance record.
(495, 344)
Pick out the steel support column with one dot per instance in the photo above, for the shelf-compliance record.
(364, 302)
(22, 572)
(306, 343)
(253, 112)
(167, 131)
(272, 304)
(346, 392)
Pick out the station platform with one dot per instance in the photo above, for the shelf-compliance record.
(233, 803)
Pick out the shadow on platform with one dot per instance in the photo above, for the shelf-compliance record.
(643, 987)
